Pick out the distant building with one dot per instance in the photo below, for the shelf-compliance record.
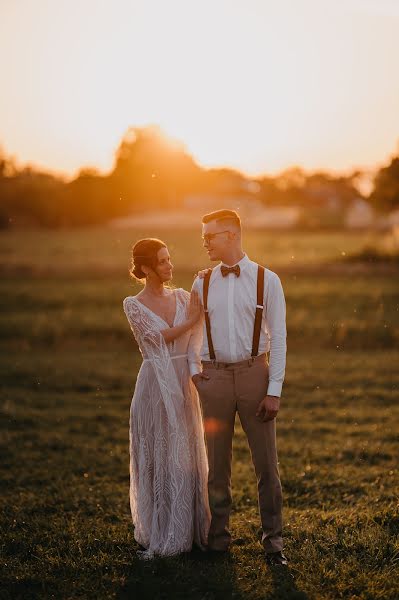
(252, 212)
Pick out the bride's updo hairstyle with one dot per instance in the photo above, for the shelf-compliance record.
(145, 252)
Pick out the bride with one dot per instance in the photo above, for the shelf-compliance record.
(168, 464)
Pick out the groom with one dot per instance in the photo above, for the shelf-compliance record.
(244, 310)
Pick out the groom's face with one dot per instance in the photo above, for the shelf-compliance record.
(216, 239)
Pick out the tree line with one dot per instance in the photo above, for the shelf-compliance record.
(150, 172)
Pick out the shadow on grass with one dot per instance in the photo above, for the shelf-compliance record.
(198, 575)
(284, 585)
(194, 575)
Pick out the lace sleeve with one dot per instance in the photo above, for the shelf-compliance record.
(141, 325)
(153, 347)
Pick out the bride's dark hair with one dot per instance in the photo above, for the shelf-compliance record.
(145, 252)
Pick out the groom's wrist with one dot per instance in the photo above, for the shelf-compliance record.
(274, 388)
(194, 368)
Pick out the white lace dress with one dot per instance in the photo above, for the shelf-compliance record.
(168, 464)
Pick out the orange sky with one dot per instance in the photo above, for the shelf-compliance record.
(258, 85)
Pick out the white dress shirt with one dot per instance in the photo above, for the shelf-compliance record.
(231, 306)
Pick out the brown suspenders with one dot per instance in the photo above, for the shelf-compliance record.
(207, 322)
(258, 312)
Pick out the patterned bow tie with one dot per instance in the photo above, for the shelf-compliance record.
(226, 270)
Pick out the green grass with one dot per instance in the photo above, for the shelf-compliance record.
(323, 310)
(67, 376)
(104, 251)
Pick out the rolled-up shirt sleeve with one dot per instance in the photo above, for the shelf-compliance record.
(275, 311)
(195, 342)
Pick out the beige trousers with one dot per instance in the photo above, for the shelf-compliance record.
(240, 387)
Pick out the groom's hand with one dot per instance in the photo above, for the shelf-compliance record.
(268, 408)
(197, 377)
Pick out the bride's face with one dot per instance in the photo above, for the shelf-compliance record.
(164, 268)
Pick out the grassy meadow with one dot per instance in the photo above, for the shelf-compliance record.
(68, 371)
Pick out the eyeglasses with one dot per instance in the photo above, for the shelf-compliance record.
(208, 237)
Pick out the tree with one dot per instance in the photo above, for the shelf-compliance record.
(7, 165)
(152, 171)
(385, 196)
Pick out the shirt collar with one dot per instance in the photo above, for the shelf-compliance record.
(242, 263)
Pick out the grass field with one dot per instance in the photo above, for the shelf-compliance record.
(67, 377)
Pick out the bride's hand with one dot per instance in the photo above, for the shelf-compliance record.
(195, 308)
(201, 274)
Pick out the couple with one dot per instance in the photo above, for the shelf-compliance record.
(204, 358)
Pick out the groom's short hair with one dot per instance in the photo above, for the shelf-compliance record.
(224, 215)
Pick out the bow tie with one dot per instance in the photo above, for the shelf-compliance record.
(226, 270)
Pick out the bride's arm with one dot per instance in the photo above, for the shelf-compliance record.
(194, 347)
(194, 313)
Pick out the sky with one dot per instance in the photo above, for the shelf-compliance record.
(256, 85)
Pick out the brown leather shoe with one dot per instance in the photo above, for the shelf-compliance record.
(276, 559)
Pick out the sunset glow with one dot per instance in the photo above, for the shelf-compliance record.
(257, 85)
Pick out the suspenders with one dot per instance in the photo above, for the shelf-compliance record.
(258, 312)
(207, 322)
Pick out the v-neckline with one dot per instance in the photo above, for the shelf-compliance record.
(156, 314)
